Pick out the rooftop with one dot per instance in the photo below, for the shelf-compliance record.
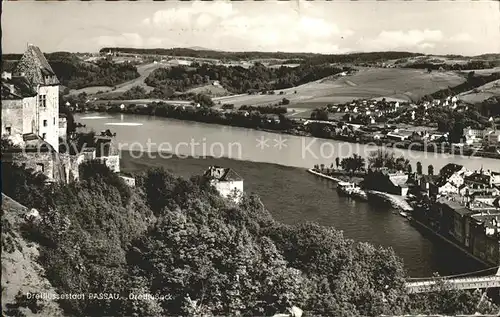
(489, 220)
(17, 88)
(36, 68)
(453, 202)
(222, 174)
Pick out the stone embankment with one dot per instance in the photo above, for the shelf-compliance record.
(395, 200)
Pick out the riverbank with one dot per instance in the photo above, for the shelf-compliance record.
(297, 129)
(397, 202)
(429, 230)
(294, 196)
(337, 178)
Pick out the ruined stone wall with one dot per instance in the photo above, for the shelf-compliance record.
(38, 161)
(71, 165)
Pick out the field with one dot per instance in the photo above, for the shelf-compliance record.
(90, 90)
(491, 89)
(483, 72)
(400, 84)
(210, 90)
(143, 70)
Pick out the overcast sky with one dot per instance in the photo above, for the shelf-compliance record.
(440, 27)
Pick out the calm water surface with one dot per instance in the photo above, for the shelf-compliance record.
(291, 194)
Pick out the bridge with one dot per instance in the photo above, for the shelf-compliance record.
(423, 285)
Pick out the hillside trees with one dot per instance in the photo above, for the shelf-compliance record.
(238, 79)
(353, 163)
(387, 159)
(76, 74)
(177, 241)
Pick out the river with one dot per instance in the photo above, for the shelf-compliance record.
(292, 195)
(200, 139)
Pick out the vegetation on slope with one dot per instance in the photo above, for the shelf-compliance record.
(447, 66)
(22, 276)
(238, 79)
(473, 81)
(75, 74)
(192, 252)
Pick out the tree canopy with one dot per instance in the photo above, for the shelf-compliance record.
(192, 252)
(238, 79)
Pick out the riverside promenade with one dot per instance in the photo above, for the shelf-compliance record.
(395, 200)
(312, 171)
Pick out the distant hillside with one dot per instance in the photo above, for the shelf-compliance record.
(472, 83)
(309, 57)
(75, 74)
(490, 56)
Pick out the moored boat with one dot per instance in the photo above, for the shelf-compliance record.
(359, 193)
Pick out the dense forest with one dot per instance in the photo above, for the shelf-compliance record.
(238, 79)
(188, 252)
(299, 57)
(75, 74)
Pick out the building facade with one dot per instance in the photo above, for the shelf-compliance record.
(41, 115)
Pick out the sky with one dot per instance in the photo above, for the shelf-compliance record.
(461, 27)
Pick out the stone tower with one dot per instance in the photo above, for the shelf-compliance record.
(35, 68)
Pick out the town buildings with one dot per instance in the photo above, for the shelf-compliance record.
(451, 177)
(227, 182)
(384, 181)
(465, 209)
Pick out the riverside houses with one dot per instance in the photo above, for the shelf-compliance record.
(382, 180)
(451, 177)
(473, 225)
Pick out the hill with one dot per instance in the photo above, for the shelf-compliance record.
(472, 82)
(450, 62)
(222, 55)
(481, 93)
(189, 252)
(76, 74)
(367, 83)
(21, 274)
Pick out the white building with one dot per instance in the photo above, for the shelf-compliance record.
(475, 134)
(227, 182)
